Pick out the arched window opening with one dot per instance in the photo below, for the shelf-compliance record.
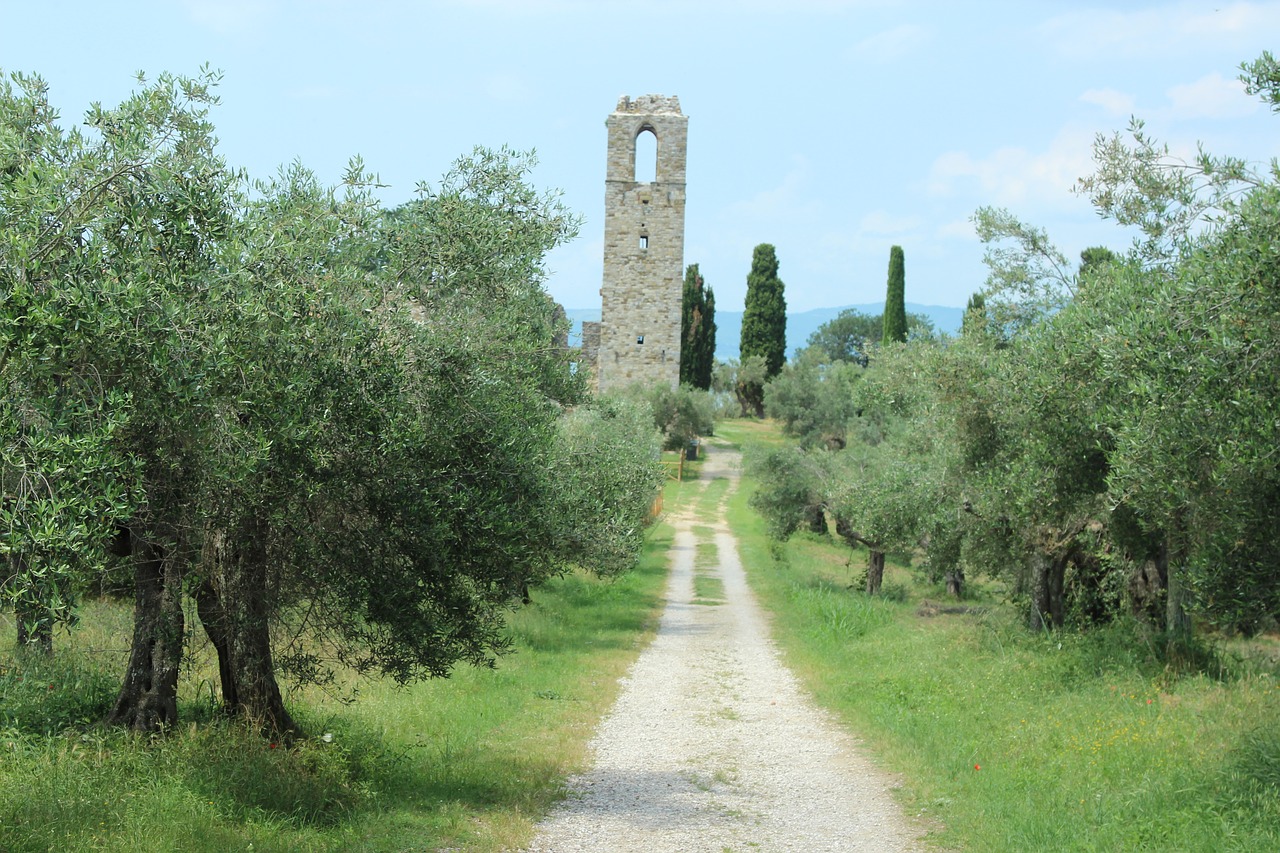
(646, 157)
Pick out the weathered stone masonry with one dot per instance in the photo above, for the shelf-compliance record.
(639, 330)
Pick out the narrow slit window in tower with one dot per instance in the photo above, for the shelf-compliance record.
(644, 241)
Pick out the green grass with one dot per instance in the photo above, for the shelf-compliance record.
(1003, 740)
(470, 762)
(740, 431)
(1011, 741)
(707, 589)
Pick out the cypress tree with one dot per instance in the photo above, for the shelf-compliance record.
(707, 343)
(764, 318)
(895, 307)
(1095, 259)
(697, 331)
(975, 316)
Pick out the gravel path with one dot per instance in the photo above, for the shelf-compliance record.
(712, 745)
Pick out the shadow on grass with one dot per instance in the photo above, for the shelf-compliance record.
(581, 610)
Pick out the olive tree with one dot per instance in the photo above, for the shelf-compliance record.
(303, 410)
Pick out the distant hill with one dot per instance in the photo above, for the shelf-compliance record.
(800, 325)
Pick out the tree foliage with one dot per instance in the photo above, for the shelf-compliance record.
(895, 308)
(296, 407)
(606, 507)
(680, 414)
(1102, 438)
(974, 321)
(697, 331)
(764, 318)
(749, 379)
(1028, 277)
(814, 401)
(851, 336)
(848, 337)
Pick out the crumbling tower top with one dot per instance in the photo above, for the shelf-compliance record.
(649, 104)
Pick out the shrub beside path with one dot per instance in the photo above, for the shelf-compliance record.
(712, 745)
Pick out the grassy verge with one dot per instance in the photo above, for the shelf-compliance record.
(468, 763)
(1009, 741)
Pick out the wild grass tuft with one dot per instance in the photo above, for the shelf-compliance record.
(707, 589)
(44, 696)
(836, 615)
(1250, 778)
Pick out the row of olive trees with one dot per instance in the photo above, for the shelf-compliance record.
(1101, 436)
(286, 403)
(816, 400)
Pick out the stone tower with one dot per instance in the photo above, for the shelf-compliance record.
(639, 331)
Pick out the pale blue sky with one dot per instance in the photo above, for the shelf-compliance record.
(830, 128)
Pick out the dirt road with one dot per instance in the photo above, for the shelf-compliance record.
(712, 745)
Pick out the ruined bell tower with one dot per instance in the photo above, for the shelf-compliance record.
(639, 330)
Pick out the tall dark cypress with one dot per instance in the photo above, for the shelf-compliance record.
(895, 306)
(706, 343)
(697, 331)
(764, 319)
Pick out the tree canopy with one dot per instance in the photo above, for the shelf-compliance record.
(764, 317)
(1102, 437)
(292, 405)
(697, 331)
(851, 336)
(848, 336)
(895, 307)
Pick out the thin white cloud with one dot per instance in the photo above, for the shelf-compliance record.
(784, 201)
(884, 223)
(1211, 97)
(1162, 30)
(891, 45)
(1113, 102)
(869, 237)
(1011, 175)
(958, 229)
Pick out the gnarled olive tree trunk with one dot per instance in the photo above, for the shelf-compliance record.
(148, 699)
(875, 571)
(875, 555)
(1048, 579)
(233, 603)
